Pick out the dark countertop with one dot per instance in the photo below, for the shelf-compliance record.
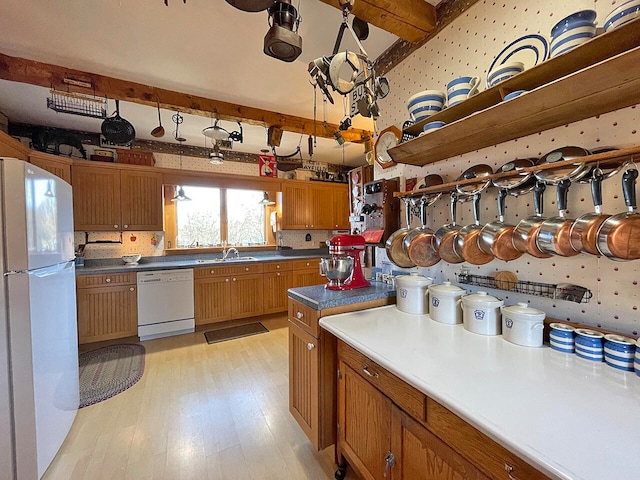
(319, 298)
(116, 265)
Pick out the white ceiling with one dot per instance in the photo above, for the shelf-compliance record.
(201, 47)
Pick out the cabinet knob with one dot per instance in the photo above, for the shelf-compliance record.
(246, 269)
(226, 279)
(108, 280)
(234, 279)
(277, 274)
(131, 289)
(310, 346)
(277, 266)
(126, 226)
(115, 226)
(299, 315)
(212, 272)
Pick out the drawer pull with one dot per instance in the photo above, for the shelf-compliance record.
(131, 289)
(299, 315)
(389, 463)
(310, 346)
(509, 470)
(108, 280)
(366, 370)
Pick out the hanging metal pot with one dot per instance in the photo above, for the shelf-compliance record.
(446, 236)
(524, 235)
(554, 234)
(619, 235)
(420, 243)
(584, 231)
(466, 244)
(118, 130)
(394, 245)
(496, 237)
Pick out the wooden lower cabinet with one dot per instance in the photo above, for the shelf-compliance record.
(307, 273)
(107, 307)
(382, 441)
(274, 292)
(246, 296)
(212, 300)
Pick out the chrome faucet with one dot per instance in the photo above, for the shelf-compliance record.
(225, 252)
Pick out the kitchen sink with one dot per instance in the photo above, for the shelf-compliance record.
(227, 260)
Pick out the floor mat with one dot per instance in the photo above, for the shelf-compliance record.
(108, 371)
(222, 334)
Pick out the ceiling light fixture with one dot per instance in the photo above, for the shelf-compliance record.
(282, 40)
(180, 196)
(218, 134)
(265, 201)
(216, 157)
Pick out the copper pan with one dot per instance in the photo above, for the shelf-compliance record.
(420, 243)
(554, 233)
(619, 235)
(584, 231)
(524, 235)
(394, 246)
(446, 236)
(495, 237)
(466, 244)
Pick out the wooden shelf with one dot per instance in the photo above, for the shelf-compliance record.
(615, 156)
(561, 90)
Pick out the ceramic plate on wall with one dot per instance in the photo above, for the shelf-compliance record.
(530, 50)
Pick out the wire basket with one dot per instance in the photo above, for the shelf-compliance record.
(77, 104)
(560, 291)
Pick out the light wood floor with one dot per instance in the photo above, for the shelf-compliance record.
(199, 412)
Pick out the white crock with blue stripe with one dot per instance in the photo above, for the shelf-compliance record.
(619, 351)
(561, 337)
(589, 344)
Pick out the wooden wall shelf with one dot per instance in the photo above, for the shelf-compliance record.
(616, 156)
(600, 76)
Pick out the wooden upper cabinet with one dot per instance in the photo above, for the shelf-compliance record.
(341, 209)
(112, 199)
(141, 194)
(294, 206)
(314, 206)
(96, 198)
(10, 147)
(320, 201)
(59, 166)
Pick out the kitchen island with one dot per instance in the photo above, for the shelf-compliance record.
(566, 417)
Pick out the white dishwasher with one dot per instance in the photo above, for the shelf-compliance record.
(165, 303)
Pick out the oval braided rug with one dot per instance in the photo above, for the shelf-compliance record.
(108, 371)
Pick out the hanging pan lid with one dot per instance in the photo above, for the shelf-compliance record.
(573, 172)
(477, 171)
(251, 5)
(516, 181)
(430, 181)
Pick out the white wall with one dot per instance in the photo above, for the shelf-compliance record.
(467, 47)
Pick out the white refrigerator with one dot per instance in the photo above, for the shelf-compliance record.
(38, 329)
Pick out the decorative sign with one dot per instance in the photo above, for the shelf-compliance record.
(268, 166)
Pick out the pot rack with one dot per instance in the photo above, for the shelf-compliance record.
(606, 158)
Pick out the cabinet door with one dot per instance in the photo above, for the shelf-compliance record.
(340, 208)
(420, 455)
(141, 200)
(306, 278)
(275, 288)
(303, 381)
(320, 202)
(96, 198)
(295, 214)
(212, 299)
(364, 424)
(105, 313)
(246, 296)
(58, 166)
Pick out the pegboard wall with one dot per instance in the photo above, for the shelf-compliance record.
(467, 47)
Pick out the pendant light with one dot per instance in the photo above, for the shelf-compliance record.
(216, 157)
(216, 132)
(266, 201)
(180, 195)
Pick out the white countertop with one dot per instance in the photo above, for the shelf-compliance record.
(568, 417)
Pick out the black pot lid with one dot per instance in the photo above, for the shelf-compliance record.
(572, 172)
(251, 5)
(477, 171)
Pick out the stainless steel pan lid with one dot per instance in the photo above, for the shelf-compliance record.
(477, 171)
(573, 172)
(432, 180)
(607, 171)
(519, 180)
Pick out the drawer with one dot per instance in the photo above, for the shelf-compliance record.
(308, 263)
(492, 459)
(88, 281)
(305, 317)
(402, 394)
(277, 266)
(224, 270)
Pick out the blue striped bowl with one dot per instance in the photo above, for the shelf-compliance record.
(504, 72)
(622, 14)
(572, 21)
(589, 344)
(561, 337)
(619, 351)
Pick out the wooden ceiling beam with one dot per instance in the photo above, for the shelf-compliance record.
(52, 76)
(411, 20)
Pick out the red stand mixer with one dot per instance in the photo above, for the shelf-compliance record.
(344, 268)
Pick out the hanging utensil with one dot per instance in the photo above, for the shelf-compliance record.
(466, 244)
(584, 231)
(446, 236)
(178, 119)
(495, 237)
(394, 245)
(158, 132)
(420, 243)
(524, 235)
(554, 234)
(118, 130)
(619, 235)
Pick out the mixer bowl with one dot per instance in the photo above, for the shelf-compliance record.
(337, 269)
